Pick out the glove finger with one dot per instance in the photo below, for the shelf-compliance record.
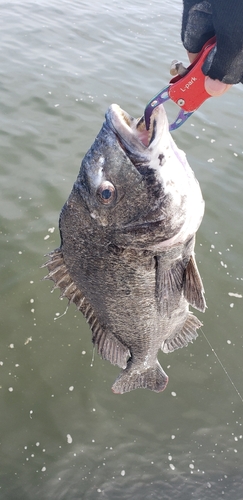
(197, 25)
(223, 65)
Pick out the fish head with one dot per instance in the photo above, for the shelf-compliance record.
(134, 182)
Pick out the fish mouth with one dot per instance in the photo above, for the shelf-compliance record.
(132, 132)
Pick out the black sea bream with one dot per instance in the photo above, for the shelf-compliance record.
(126, 257)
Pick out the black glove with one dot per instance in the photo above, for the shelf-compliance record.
(223, 18)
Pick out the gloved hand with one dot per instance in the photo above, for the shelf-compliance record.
(223, 18)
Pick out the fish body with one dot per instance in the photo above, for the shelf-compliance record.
(126, 257)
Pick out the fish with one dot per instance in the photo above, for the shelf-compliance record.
(126, 257)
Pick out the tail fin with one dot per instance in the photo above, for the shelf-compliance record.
(154, 378)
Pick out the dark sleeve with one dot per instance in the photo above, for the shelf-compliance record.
(224, 18)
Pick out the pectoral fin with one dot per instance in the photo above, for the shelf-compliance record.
(154, 378)
(107, 345)
(193, 287)
(187, 334)
(169, 285)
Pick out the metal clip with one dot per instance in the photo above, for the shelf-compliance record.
(187, 90)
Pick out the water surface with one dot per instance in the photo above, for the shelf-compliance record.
(64, 435)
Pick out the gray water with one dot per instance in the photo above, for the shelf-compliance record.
(63, 433)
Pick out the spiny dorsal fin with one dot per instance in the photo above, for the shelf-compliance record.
(169, 283)
(187, 334)
(107, 345)
(193, 287)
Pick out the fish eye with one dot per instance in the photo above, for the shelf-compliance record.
(106, 193)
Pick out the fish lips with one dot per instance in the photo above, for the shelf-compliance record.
(131, 133)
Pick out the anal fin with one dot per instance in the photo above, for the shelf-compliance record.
(154, 378)
(110, 348)
(193, 287)
(187, 334)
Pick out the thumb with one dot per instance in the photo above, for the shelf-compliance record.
(215, 87)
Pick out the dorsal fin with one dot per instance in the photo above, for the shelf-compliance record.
(107, 345)
(193, 287)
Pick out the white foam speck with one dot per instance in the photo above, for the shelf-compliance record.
(172, 467)
(11, 346)
(28, 340)
(71, 388)
(51, 229)
(222, 264)
(10, 389)
(123, 472)
(191, 466)
(237, 295)
(69, 438)
(46, 237)
(173, 394)
(43, 469)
